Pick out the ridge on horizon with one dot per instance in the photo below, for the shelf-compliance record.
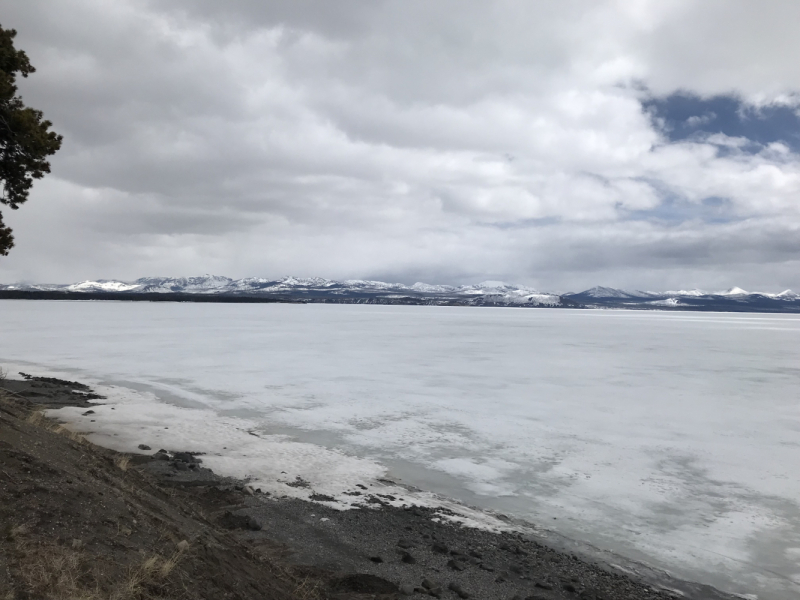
(220, 282)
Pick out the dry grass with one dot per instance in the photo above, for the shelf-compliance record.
(36, 418)
(149, 576)
(66, 431)
(308, 589)
(55, 572)
(17, 531)
(60, 572)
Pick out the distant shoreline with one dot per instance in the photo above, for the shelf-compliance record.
(140, 297)
(243, 298)
(301, 298)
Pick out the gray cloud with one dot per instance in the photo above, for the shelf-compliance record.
(448, 141)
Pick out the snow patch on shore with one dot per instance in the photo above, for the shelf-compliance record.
(242, 449)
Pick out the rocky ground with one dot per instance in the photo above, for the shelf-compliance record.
(79, 521)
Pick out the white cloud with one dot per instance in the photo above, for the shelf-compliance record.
(405, 140)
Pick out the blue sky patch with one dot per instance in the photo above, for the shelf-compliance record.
(674, 211)
(684, 116)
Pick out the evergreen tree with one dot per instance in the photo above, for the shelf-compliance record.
(25, 139)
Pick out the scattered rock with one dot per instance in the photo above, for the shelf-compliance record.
(185, 457)
(364, 584)
(253, 525)
(376, 559)
(455, 587)
(322, 497)
(456, 565)
(144, 447)
(232, 521)
(544, 585)
(406, 590)
(408, 558)
(440, 548)
(87, 413)
(405, 544)
(299, 482)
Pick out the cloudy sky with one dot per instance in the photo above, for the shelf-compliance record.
(560, 144)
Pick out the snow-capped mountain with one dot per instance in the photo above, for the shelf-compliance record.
(607, 292)
(206, 283)
(686, 293)
(734, 291)
(315, 289)
(432, 289)
(487, 293)
(734, 299)
(101, 286)
(787, 294)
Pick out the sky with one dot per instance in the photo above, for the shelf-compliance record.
(649, 144)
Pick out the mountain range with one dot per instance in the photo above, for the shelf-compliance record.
(487, 293)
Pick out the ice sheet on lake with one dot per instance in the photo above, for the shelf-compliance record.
(670, 438)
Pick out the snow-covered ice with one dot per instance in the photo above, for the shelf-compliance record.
(670, 438)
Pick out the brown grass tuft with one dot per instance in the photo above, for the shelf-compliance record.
(36, 417)
(308, 589)
(57, 573)
(150, 575)
(61, 572)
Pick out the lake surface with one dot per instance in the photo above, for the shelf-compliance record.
(670, 438)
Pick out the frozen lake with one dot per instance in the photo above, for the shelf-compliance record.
(670, 438)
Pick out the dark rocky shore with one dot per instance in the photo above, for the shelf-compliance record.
(109, 515)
